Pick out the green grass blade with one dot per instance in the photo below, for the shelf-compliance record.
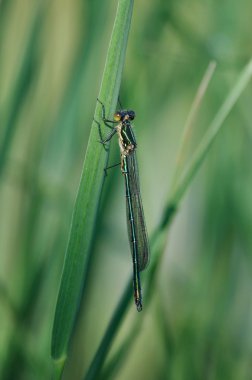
(24, 79)
(118, 359)
(159, 237)
(87, 202)
(210, 135)
(96, 365)
(189, 124)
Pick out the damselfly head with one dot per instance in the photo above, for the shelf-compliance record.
(124, 115)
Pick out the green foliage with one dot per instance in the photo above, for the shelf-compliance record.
(87, 202)
(196, 318)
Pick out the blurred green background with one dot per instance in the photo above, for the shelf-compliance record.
(199, 324)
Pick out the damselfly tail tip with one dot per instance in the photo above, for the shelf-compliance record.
(139, 305)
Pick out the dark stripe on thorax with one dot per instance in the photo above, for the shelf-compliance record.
(128, 134)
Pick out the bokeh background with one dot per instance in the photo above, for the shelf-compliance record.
(199, 323)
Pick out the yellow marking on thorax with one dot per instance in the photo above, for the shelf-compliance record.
(125, 150)
(121, 145)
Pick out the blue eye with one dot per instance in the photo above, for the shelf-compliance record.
(131, 115)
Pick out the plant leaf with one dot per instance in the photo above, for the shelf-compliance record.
(89, 192)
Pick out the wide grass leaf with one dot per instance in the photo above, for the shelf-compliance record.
(88, 197)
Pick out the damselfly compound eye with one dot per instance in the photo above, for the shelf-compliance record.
(131, 115)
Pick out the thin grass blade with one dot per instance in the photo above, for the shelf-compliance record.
(159, 236)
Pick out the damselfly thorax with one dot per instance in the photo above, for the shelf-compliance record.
(127, 141)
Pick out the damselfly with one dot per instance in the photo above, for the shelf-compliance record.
(135, 216)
